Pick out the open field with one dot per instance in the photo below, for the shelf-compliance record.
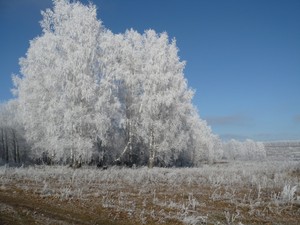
(280, 150)
(230, 193)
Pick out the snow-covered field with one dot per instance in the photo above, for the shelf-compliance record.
(265, 192)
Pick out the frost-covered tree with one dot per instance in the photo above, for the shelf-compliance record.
(254, 150)
(165, 101)
(13, 147)
(83, 88)
(59, 82)
(155, 101)
(4, 129)
(204, 146)
(125, 67)
(232, 149)
(246, 150)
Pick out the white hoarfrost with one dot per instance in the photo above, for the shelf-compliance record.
(84, 90)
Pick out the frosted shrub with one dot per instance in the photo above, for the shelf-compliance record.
(288, 193)
(230, 218)
(65, 193)
(195, 220)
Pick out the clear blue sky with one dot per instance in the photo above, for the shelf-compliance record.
(243, 57)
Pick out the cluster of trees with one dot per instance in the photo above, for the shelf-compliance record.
(13, 146)
(247, 150)
(86, 94)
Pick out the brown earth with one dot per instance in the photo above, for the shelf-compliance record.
(25, 207)
(18, 207)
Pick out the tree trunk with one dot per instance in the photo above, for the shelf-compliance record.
(72, 146)
(72, 156)
(52, 157)
(6, 147)
(128, 147)
(152, 150)
(130, 142)
(18, 153)
(15, 145)
(3, 144)
(151, 161)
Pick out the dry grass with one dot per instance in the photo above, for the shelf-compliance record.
(234, 193)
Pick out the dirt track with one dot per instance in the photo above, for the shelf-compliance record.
(17, 207)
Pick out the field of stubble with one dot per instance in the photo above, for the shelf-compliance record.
(230, 193)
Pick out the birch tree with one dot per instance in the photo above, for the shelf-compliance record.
(123, 75)
(4, 133)
(166, 99)
(155, 101)
(13, 146)
(203, 145)
(58, 87)
(83, 87)
(244, 150)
